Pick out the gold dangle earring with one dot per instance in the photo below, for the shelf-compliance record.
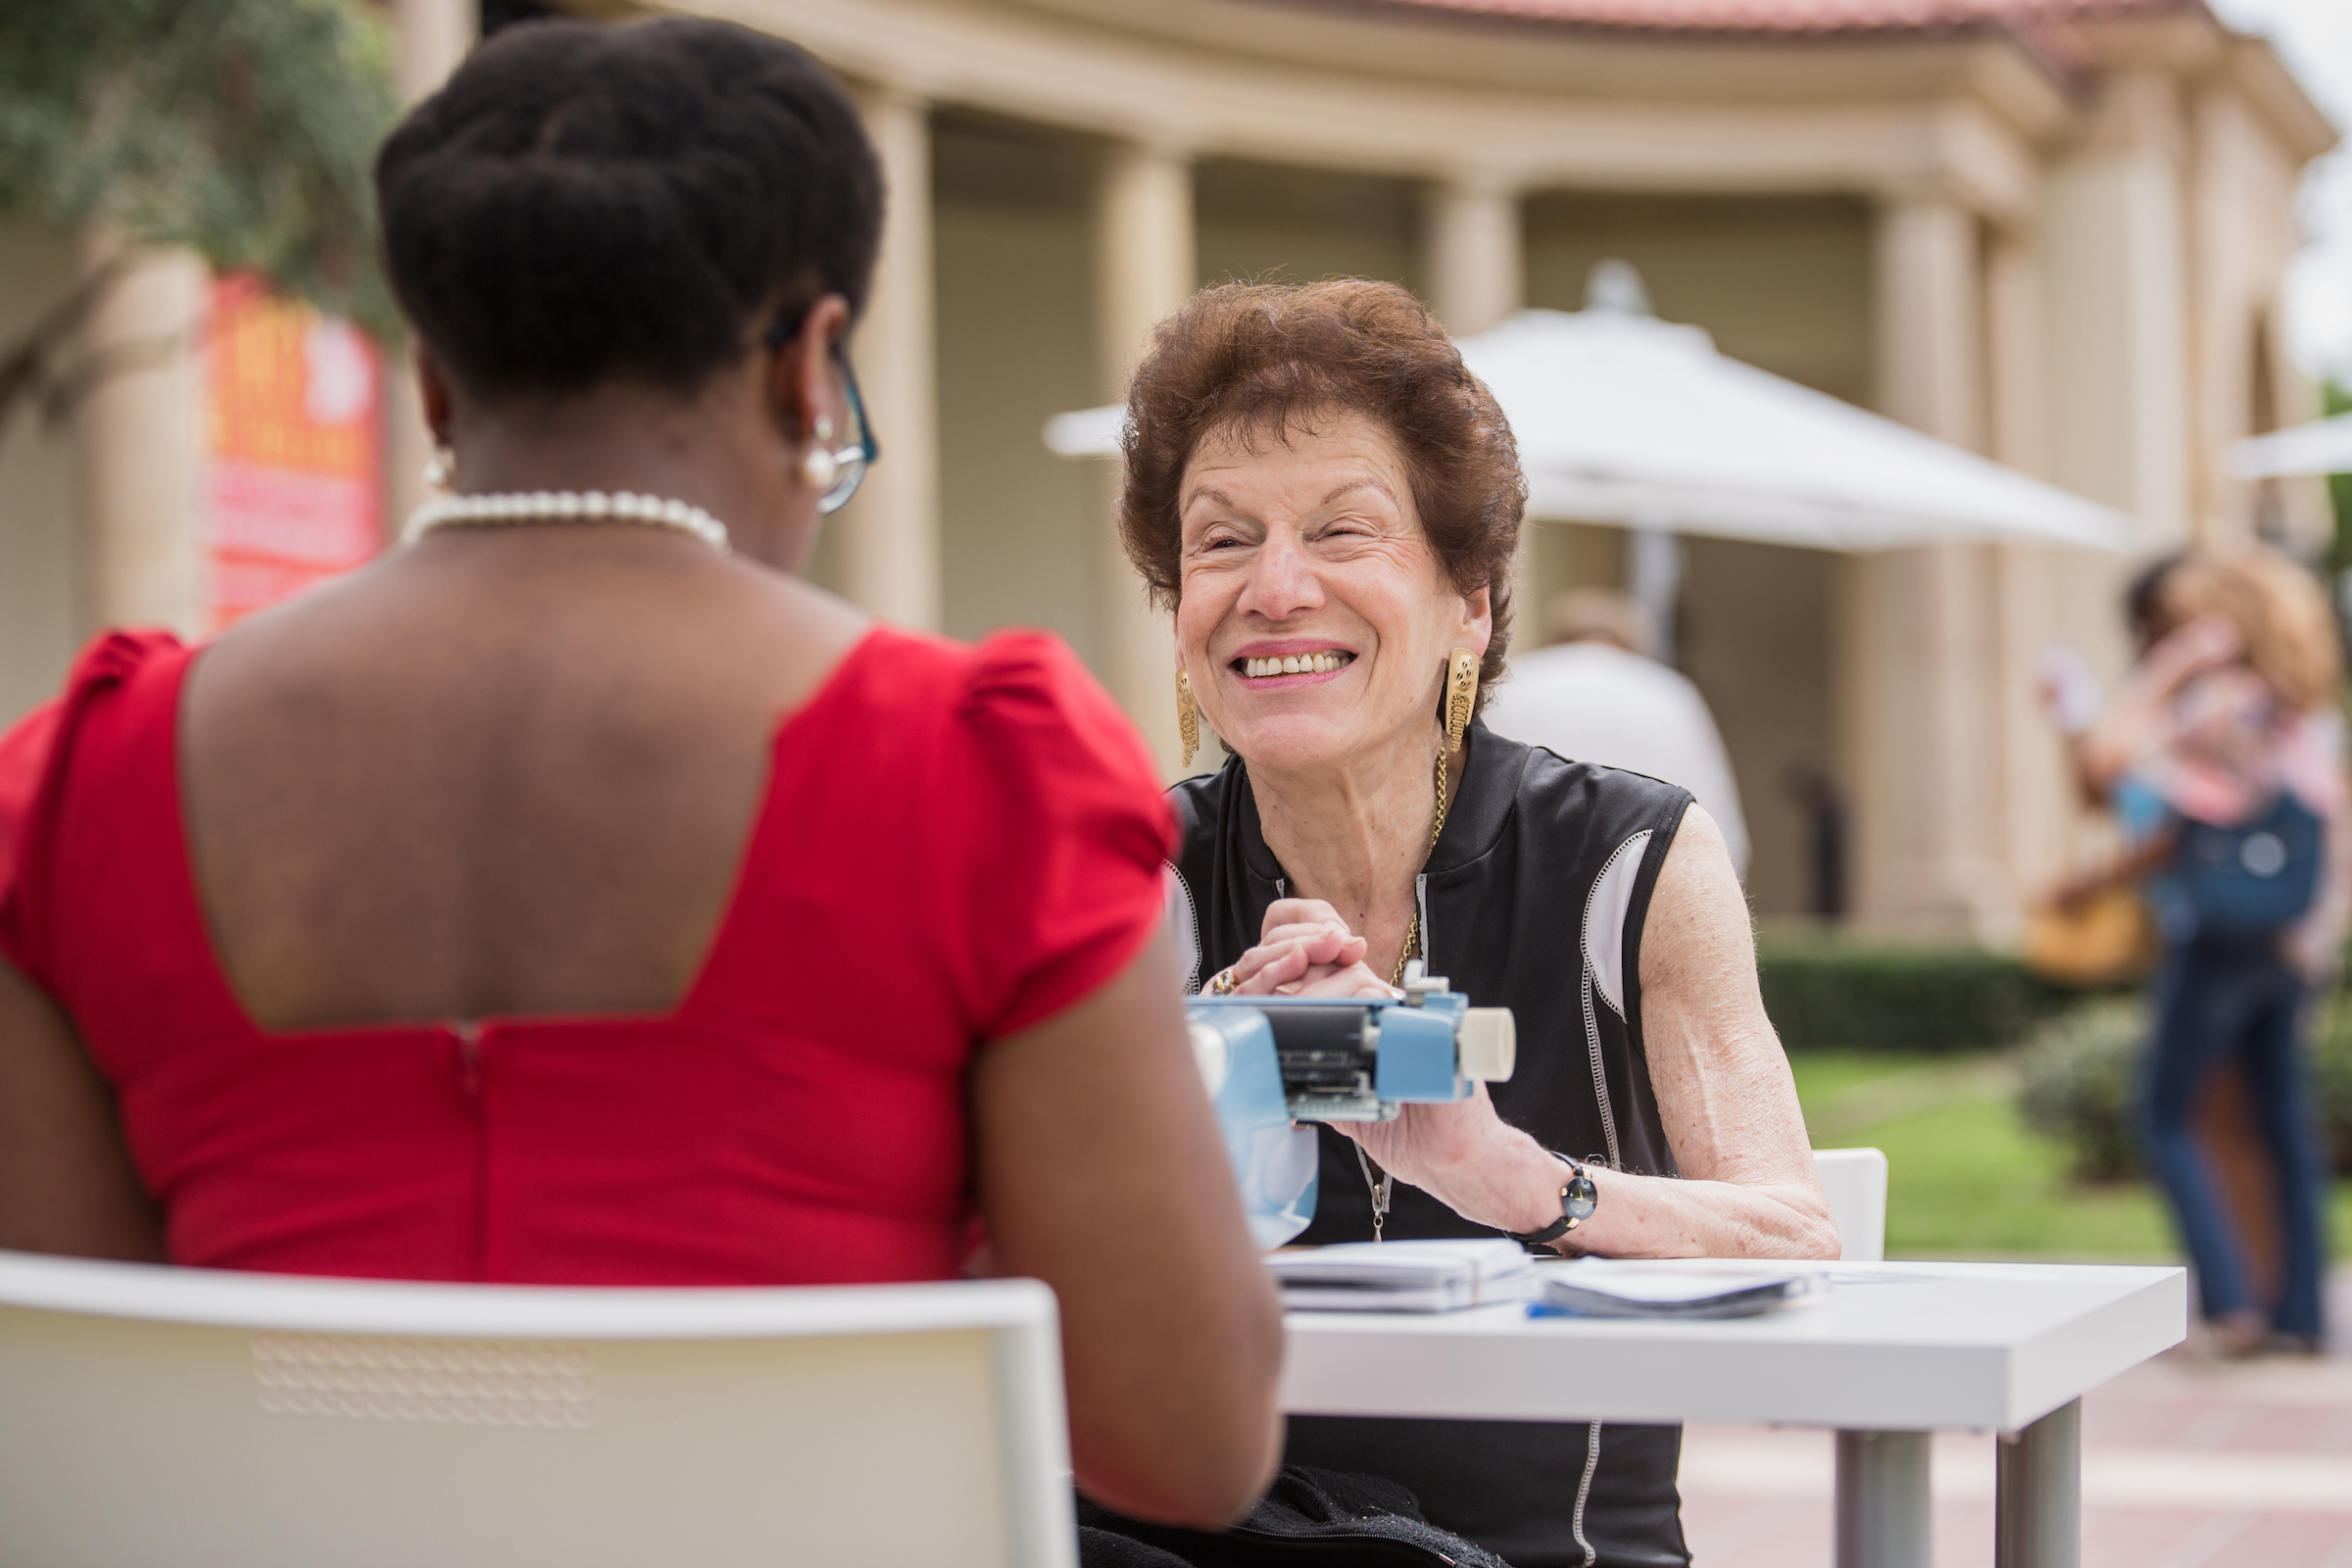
(1461, 693)
(1188, 716)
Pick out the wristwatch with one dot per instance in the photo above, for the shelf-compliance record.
(1578, 1199)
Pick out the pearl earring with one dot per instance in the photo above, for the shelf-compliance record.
(818, 467)
(440, 468)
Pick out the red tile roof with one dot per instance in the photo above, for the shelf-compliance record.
(2041, 25)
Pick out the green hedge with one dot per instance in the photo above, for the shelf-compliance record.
(2078, 1078)
(1828, 995)
(2081, 1074)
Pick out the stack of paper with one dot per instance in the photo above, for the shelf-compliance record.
(1677, 1288)
(1404, 1276)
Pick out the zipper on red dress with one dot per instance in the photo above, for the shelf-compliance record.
(468, 1035)
(469, 1060)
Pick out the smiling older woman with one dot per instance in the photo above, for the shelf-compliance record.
(1330, 504)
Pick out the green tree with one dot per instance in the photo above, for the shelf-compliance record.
(243, 130)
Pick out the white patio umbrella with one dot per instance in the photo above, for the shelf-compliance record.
(1627, 419)
(2323, 446)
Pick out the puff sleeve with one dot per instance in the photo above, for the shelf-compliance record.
(34, 758)
(1058, 813)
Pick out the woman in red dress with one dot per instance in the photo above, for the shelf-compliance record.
(577, 896)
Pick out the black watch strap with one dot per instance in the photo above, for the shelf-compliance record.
(1578, 1199)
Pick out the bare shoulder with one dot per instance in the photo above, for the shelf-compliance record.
(627, 617)
(815, 626)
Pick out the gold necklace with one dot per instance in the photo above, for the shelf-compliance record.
(1413, 932)
(1383, 1185)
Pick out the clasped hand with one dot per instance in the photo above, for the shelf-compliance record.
(1459, 1153)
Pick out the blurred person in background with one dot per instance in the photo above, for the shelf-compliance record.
(1330, 504)
(2096, 930)
(1590, 695)
(2224, 758)
(2070, 686)
(576, 896)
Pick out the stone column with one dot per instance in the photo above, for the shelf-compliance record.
(1474, 266)
(1931, 321)
(139, 439)
(2017, 371)
(2118, 308)
(1474, 253)
(1147, 264)
(429, 38)
(2041, 823)
(42, 608)
(1919, 704)
(887, 538)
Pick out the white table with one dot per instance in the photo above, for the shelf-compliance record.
(1897, 1350)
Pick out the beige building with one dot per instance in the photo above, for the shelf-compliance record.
(2058, 241)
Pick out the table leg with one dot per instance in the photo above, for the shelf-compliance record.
(2038, 1493)
(1883, 1499)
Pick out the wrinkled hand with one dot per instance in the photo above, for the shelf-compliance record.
(1426, 1143)
(1305, 949)
(1466, 1158)
(1460, 1153)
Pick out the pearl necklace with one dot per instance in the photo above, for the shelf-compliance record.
(521, 509)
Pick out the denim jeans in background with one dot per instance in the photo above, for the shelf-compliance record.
(2213, 1006)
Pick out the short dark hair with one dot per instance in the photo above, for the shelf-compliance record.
(583, 203)
(1266, 357)
(2143, 596)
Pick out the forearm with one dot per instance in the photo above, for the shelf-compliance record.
(2135, 864)
(1099, 1170)
(2094, 771)
(1514, 1183)
(67, 1181)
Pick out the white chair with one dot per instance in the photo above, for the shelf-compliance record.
(200, 1419)
(1854, 1180)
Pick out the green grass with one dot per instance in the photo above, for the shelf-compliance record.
(1966, 1178)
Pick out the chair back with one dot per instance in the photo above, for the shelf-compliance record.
(203, 1419)
(1854, 1180)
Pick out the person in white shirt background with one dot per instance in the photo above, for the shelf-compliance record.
(1592, 696)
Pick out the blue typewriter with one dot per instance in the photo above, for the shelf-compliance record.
(1272, 1062)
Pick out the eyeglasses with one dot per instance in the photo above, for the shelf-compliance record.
(860, 451)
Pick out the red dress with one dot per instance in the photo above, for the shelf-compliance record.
(800, 1119)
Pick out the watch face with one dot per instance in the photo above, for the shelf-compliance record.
(1581, 1199)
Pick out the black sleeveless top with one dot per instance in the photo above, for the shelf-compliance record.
(1534, 898)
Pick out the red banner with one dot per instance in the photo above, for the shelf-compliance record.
(294, 472)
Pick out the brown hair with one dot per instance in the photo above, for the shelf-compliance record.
(2280, 615)
(1254, 358)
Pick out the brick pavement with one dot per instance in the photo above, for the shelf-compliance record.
(2186, 1463)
